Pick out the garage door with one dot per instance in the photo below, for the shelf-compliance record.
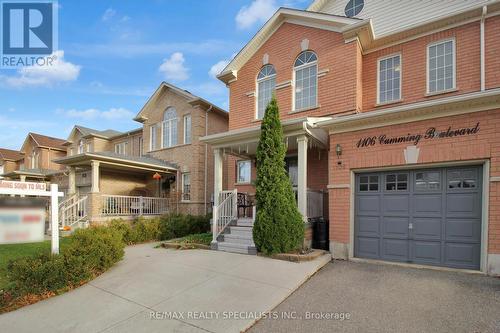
(429, 216)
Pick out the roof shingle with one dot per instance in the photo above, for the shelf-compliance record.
(8, 154)
(48, 141)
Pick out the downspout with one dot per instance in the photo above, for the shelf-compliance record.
(482, 47)
(206, 157)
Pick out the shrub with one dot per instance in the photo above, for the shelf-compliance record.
(139, 231)
(89, 253)
(278, 225)
(180, 225)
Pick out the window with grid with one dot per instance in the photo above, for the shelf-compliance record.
(186, 186)
(441, 66)
(266, 84)
(306, 80)
(169, 128)
(354, 7)
(244, 172)
(389, 79)
(187, 128)
(368, 183)
(80, 147)
(121, 148)
(396, 182)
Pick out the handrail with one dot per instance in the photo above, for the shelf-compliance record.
(224, 213)
(73, 211)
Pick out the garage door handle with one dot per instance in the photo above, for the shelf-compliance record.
(410, 226)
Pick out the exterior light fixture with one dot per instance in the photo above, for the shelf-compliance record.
(338, 150)
(157, 176)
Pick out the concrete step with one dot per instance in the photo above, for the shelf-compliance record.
(237, 239)
(240, 231)
(236, 248)
(244, 222)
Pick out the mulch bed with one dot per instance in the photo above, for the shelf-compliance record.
(297, 256)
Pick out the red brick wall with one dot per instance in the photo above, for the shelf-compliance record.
(492, 52)
(414, 66)
(336, 90)
(484, 145)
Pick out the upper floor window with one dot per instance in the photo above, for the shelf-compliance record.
(354, 7)
(306, 81)
(389, 79)
(153, 142)
(1, 170)
(266, 84)
(34, 159)
(187, 129)
(169, 128)
(141, 146)
(121, 148)
(89, 147)
(81, 147)
(441, 66)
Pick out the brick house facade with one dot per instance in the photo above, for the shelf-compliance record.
(440, 69)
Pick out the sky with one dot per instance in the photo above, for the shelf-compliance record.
(112, 56)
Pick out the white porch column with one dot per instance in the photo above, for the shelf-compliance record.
(302, 176)
(71, 180)
(95, 177)
(218, 162)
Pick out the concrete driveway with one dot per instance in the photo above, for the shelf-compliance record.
(159, 290)
(385, 298)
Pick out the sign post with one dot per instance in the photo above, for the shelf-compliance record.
(54, 218)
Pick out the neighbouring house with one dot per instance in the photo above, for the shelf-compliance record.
(9, 160)
(37, 161)
(390, 113)
(158, 168)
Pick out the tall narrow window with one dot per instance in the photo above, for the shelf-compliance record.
(441, 66)
(244, 169)
(141, 146)
(34, 159)
(187, 129)
(80, 147)
(186, 186)
(306, 81)
(266, 84)
(169, 128)
(153, 137)
(389, 79)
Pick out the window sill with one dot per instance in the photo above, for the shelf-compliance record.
(257, 121)
(305, 109)
(389, 103)
(246, 183)
(185, 201)
(442, 92)
(166, 148)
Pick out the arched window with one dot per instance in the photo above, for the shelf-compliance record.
(354, 7)
(169, 128)
(266, 84)
(306, 81)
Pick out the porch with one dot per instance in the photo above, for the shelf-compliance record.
(306, 163)
(103, 186)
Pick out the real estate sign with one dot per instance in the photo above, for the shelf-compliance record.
(22, 220)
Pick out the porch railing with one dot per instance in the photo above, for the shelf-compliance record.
(225, 212)
(122, 205)
(314, 203)
(73, 211)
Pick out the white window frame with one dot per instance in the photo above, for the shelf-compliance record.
(186, 196)
(187, 129)
(257, 82)
(121, 148)
(295, 69)
(81, 147)
(141, 146)
(170, 122)
(2, 170)
(153, 133)
(89, 147)
(379, 60)
(454, 62)
(238, 172)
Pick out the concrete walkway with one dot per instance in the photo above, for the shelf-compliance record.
(384, 298)
(159, 290)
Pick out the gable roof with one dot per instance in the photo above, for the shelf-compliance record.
(11, 155)
(86, 132)
(318, 20)
(45, 141)
(191, 99)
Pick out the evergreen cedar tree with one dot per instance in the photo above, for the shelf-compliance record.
(278, 226)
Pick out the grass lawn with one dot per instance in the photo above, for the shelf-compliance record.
(13, 251)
